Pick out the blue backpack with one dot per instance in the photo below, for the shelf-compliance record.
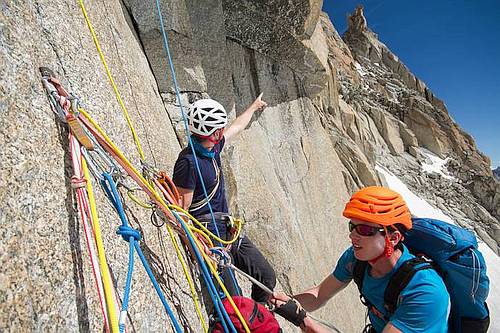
(454, 254)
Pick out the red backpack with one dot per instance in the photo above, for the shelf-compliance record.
(258, 318)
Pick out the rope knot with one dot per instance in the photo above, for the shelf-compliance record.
(126, 232)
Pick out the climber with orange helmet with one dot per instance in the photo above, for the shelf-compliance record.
(378, 219)
(207, 121)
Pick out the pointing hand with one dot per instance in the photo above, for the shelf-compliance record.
(259, 104)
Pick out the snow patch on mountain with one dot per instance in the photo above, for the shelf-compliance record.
(434, 163)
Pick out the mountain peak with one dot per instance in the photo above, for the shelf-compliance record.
(357, 21)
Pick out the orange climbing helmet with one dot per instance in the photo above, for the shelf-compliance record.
(378, 205)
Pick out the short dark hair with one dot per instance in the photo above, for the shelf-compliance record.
(399, 227)
(402, 229)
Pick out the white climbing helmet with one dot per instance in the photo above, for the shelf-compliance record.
(205, 116)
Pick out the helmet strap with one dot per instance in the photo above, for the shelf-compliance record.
(211, 137)
(388, 249)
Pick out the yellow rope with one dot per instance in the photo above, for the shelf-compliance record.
(192, 218)
(204, 235)
(137, 200)
(117, 93)
(106, 277)
(167, 207)
(221, 284)
(188, 277)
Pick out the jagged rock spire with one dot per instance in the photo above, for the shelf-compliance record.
(357, 21)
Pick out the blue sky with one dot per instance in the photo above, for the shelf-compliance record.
(453, 46)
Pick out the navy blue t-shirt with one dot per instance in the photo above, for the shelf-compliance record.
(186, 176)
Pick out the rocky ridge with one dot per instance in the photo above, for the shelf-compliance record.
(408, 116)
(496, 173)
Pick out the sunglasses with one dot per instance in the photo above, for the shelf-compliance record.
(364, 230)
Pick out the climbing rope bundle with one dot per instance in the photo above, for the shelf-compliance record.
(94, 153)
(202, 239)
(85, 136)
(106, 163)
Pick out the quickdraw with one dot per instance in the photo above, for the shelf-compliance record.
(66, 106)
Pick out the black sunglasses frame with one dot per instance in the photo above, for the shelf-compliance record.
(373, 229)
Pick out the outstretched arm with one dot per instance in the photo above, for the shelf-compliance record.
(243, 119)
(310, 326)
(315, 297)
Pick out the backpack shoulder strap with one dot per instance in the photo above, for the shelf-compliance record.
(400, 280)
(358, 273)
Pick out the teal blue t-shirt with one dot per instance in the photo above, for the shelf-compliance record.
(424, 303)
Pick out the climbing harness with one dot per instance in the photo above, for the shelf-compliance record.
(237, 223)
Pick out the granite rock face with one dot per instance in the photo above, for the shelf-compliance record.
(274, 177)
(46, 279)
(337, 108)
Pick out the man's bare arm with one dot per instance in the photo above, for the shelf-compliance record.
(243, 119)
(315, 297)
(186, 197)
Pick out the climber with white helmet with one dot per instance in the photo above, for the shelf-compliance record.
(207, 124)
(378, 219)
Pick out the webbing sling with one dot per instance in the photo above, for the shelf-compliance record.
(200, 204)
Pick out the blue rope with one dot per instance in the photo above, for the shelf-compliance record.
(128, 283)
(132, 236)
(184, 118)
(198, 171)
(207, 277)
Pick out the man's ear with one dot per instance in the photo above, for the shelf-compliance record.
(221, 133)
(217, 134)
(396, 237)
